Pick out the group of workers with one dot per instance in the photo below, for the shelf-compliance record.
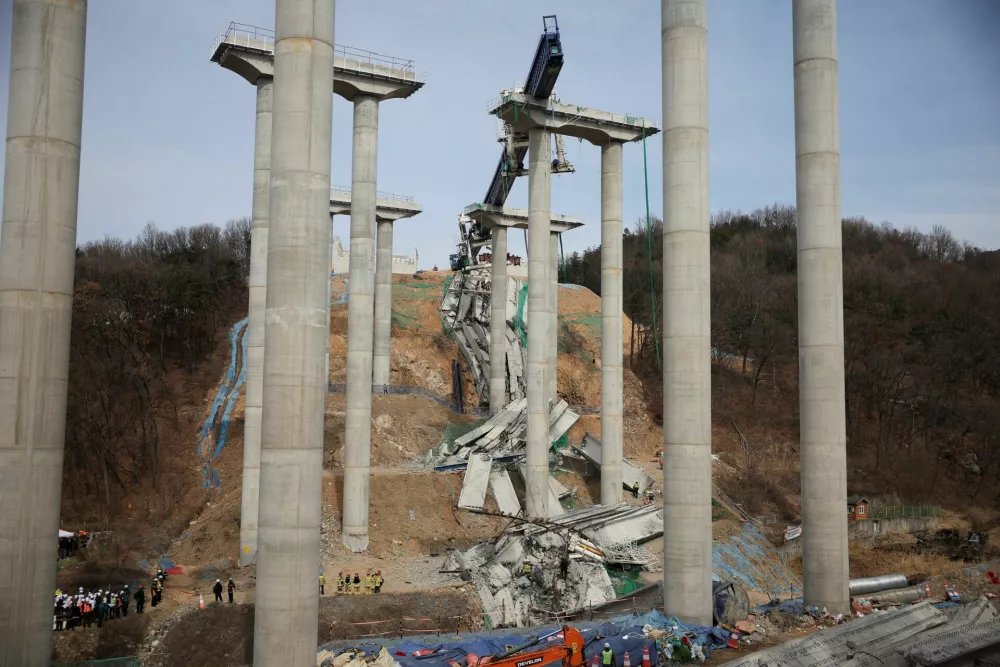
(348, 585)
(87, 608)
(649, 497)
(70, 543)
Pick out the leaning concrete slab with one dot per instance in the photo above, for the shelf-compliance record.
(477, 479)
(503, 492)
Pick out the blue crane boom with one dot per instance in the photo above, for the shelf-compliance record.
(539, 83)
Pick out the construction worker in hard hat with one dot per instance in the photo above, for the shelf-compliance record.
(369, 582)
(322, 583)
(608, 656)
(378, 581)
(356, 587)
(340, 582)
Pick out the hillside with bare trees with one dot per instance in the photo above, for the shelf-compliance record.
(922, 357)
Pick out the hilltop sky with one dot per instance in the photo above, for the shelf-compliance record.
(168, 135)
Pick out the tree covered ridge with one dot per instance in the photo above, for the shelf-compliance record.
(922, 343)
(146, 313)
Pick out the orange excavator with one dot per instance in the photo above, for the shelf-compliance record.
(570, 652)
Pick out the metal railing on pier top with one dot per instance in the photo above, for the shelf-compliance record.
(361, 60)
(384, 196)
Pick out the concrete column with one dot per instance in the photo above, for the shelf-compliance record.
(611, 323)
(821, 307)
(687, 380)
(539, 320)
(37, 254)
(360, 312)
(296, 333)
(383, 304)
(553, 285)
(498, 320)
(329, 292)
(255, 323)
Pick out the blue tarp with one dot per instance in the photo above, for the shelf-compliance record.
(623, 633)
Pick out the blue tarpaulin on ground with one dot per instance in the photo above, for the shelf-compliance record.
(623, 633)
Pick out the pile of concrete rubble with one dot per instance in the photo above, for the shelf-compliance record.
(465, 313)
(503, 434)
(906, 636)
(566, 559)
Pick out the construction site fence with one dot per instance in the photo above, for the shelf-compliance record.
(897, 511)
(444, 401)
(402, 627)
(108, 662)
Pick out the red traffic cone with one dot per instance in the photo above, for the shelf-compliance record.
(201, 602)
(627, 662)
(645, 657)
(734, 639)
(594, 661)
(927, 589)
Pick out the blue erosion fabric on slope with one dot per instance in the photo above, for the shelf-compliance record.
(227, 393)
(623, 633)
(749, 558)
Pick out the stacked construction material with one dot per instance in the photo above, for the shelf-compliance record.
(465, 314)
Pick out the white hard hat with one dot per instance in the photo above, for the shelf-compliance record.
(607, 645)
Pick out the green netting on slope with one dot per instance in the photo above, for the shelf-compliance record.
(451, 433)
(624, 582)
(522, 301)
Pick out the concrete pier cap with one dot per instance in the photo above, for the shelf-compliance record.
(249, 52)
(495, 216)
(523, 113)
(388, 207)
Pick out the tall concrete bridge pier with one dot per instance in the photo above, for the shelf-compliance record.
(609, 131)
(296, 335)
(41, 181)
(389, 208)
(822, 409)
(364, 78)
(687, 378)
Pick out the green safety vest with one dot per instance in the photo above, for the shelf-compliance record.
(607, 655)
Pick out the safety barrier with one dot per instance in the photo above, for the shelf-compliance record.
(899, 511)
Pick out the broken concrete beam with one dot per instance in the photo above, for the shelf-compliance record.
(477, 556)
(964, 643)
(477, 479)
(837, 645)
(558, 488)
(590, 447)
(979, 612)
